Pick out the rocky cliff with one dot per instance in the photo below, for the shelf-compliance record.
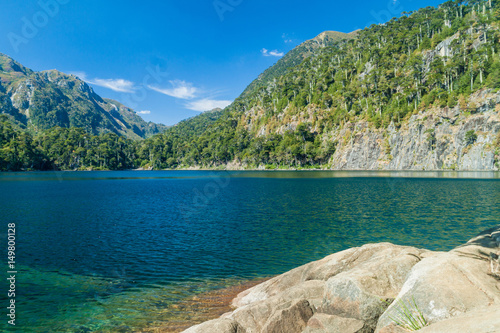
(431, 140)
(379, 288)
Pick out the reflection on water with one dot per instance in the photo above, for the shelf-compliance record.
(114, 251)
(180, 174)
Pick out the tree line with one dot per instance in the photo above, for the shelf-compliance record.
(433, 57)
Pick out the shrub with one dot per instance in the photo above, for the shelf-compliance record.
(470, 137)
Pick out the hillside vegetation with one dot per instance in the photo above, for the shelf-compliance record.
(38, 101)
(431, 58)
(425, 76)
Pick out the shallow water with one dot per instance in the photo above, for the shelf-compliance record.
(116, 251)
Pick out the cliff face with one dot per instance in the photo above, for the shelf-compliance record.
(432, 140)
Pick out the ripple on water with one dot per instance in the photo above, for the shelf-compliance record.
(110, 252)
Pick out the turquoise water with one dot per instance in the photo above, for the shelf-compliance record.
(115, 251)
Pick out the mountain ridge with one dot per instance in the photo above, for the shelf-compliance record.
(295, 56)
(37, 101)
(435, 61)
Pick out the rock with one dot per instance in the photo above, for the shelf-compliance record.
(349, 292)
(273, 316)
(324, 269)
(291, 320)
(483, 320)
(362, 292)
(215, 326)
(318, 270)
(258, 316)
(450, 284)
(361, 276)
(430, 140)
(323, 323)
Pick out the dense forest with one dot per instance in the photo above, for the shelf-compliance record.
(430, 58)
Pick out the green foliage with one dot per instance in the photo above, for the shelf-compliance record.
(345, 80)
(470, 137)
(286, 117)
(431, 138)
(493, 80)
(63, 149)
(409, 316)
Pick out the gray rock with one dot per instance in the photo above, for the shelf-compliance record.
(483, 320)
(455, 291)
(215, 326)
(323, 323)
(363, 291)
(291, 320)
(447, 285)
(430, 140)
(265, 314)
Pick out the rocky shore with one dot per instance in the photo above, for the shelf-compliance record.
(381, 288)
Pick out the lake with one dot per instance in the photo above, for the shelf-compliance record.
(118, 251)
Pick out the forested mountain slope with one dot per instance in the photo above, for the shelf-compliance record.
(419, 92)
(37, 101)
(296, 56)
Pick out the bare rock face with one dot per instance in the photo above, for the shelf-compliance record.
(218, 325)
(431, 140)
(362, 292)
(323, 323)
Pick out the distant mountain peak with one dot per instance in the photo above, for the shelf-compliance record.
(41, 100)
(297, 55)
(334, 36)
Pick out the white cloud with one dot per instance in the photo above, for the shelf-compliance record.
(207, 104)
(81, 75)
(119, 85)
(180, 89)
(144, 112)
(274, 53)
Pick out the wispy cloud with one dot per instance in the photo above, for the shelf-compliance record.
(207, 104)
(274, 53)
(81, 75)
(144, 112)
(119, 85)
(180, 89)
(286, 38)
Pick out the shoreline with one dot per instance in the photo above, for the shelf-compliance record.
(380, 288)
(205, 306)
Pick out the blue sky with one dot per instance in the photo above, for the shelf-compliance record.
(170, 60)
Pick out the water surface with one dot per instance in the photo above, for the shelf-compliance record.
(116, 251)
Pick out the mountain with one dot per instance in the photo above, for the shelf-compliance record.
(418, 92)
(37, 101)
(297, 55)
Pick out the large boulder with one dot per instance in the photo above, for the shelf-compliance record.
(324, 323)
(287, 312)
(482, 320)
(349, 288)
(350, 292)
(221, 325)
(364, 291)
(447, 285)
